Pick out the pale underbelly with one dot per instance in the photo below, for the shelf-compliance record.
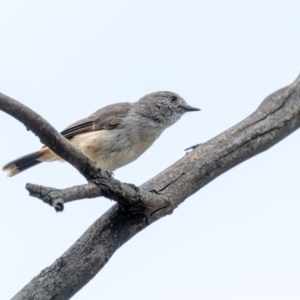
(108, 151)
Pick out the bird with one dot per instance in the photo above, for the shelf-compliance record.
(114, 135)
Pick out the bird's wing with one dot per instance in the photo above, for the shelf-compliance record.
(106, 118)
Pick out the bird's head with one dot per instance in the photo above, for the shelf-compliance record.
(164, 108)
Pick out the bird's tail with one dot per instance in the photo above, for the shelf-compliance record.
(23, 163)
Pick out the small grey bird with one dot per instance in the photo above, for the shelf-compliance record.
(117, 134)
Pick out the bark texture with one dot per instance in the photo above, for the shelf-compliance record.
(137, 208)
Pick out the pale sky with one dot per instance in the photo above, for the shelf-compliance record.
(238, 237)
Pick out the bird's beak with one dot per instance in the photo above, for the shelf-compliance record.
(189, 108)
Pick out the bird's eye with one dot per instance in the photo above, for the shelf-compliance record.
(173, 99)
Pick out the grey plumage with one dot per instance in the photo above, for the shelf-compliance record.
(116, 134)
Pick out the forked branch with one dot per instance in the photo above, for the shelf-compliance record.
(277, 117)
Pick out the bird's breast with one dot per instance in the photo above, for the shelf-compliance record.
(113, 149)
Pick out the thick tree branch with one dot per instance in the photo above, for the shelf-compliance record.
(277, 116)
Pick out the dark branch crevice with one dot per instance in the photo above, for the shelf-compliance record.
(171, 182)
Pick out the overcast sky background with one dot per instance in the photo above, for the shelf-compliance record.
(237, 238)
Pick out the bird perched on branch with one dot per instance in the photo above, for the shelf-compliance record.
(115, 135)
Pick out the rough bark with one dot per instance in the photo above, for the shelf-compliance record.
(136, 208)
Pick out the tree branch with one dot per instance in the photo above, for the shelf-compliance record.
(109, 187)
(277, 117)
(50, 137)
(56, 197)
